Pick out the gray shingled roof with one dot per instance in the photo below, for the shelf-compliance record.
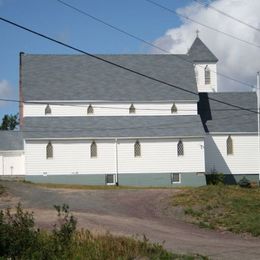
(80, 77)
(223, 118)
(199, 52)
(112, 126)
(11, 140)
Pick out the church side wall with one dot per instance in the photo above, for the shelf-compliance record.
(244, 160)
(71, 158)
(108, 109)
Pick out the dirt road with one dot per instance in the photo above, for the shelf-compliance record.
(131, 212)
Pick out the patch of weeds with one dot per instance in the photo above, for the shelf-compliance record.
(2, 190)
(19, 239)
(222, 207)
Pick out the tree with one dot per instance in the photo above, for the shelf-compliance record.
(9, 122)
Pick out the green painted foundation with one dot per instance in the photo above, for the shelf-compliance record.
(140, 179)
(235, 178)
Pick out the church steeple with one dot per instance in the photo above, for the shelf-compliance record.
(199, 52)
(205, 65)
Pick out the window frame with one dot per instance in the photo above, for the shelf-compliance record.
(93, 153)
(110, 183)
(230, 146)
(174, 108)
(172, 177)
(49, 151)
(48, 110)
(207, 75)
(137, 145)
(132, 109)
(90, 109)
(180, 148)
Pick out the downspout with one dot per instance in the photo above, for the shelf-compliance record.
(117, 180)
(21, 105)
(3, 165)
(258, 120)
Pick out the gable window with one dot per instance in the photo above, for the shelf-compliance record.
(180, 148)
(207, 75)
(137, 149)
(173, 108)
(49, 151)
(47, 110)
(132, 109)
(110, 179)
(175, 178)
(229, 146)
(90, 109)
(93, 149)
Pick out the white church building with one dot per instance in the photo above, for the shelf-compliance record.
(84, 121)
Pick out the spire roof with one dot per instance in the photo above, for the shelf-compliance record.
(199, 52)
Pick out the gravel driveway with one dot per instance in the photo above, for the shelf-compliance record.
(131, 212)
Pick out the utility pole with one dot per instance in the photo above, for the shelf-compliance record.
(258, 118)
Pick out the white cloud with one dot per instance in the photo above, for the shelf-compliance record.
(236, 59)
(6, 91)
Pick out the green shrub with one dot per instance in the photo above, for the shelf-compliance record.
(19, 239)
(215, 178)
(17, 232)
(244, 183)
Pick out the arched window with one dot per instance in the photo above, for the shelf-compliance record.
(93, 149)
(180, 148)
(47, 110)
(229, 145)
(90, 109)
(132, 109)
(207, 75)
(174, 108)
(137, 149)
(49, 151)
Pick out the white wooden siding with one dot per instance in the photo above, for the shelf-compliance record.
(200, 71)
(161, 156)
(244, 160)
(108, 109)
(71, 157)
(12, 163)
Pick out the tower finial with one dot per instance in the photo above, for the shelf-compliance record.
(197, 32)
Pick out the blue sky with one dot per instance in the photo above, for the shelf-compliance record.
(137, 17)
(50, 17)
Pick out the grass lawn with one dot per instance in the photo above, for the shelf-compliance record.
(2, 190)
(92, 187)
(222, 207)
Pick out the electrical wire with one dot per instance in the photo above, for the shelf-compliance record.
(227, 15)
(202, 24)
(53, 104)
(146, 42)
(117, 65)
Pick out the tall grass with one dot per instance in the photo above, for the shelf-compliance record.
(222, 207)
(19, 239)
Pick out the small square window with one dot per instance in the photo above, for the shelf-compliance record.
(110, 179)
(175, 178)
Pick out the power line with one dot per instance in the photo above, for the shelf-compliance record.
(202, 24)
(227, 15)
(45, 128)
(116, 108)
(118, 65)
(144, 41)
